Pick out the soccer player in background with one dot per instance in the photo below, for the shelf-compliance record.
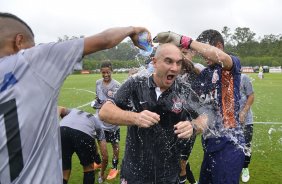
(105, 89)
(189, 74)
(260, 74)
(246, 118)
(30, 80)
(78, 132)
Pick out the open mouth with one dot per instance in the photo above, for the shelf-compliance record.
(170, 77)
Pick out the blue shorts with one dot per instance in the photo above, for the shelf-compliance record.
(222, 166)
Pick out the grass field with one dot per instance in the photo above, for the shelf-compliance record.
(266, 164)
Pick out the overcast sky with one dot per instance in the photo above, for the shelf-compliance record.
(51, 19)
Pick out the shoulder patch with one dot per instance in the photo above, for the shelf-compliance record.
(9, 79)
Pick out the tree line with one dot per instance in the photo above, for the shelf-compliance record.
(265, 51)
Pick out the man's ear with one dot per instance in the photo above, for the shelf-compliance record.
(154, 60)
(219, 45)
(19, 41)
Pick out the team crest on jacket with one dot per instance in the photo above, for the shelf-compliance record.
(177, 105)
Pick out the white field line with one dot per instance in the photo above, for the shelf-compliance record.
(269, 123)
(88, 103)
(82, 90)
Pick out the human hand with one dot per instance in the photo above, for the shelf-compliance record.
(146, 119)
(174, 38)
(110, 93)
(200, 124)
(184, 129)
(242, 117)
(97, 104)
(135, 36)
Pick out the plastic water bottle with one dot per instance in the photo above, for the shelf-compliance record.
(143, 40)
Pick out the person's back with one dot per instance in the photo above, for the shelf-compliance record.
(80, 120)
(29, 91)
(78, 132)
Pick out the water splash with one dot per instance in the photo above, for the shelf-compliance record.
(271, 130)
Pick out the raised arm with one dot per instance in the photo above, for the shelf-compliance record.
(112, 37)
(213, 53)
(209, 52)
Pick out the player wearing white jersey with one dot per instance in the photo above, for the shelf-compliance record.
(246, 118)
(30, 79)
(78, 132)
(105, 89)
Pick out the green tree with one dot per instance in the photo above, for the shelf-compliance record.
(243, 35)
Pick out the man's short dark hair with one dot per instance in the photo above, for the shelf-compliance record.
(11, 16)
(106, 64)
(211, 37)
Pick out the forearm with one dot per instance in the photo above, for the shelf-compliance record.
(249, 103)
(110, 113)
(106, 39)
(213, 53)
(200, 123)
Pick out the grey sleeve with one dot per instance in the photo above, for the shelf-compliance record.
(53, 62)
(248, 86)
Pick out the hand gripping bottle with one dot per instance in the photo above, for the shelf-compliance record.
(143, 40)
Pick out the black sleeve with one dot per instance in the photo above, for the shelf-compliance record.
(122, 97)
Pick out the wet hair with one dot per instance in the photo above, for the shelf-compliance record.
(211, 36)
(106, 64)
(187, 66)
(14, 17)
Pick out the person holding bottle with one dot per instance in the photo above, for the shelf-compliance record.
(30, 81)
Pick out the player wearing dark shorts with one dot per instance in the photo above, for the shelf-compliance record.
(246, 119)
(218, 86)
(186, 150)
(78, 132)
(71, 143)
(112, 137)
(106, 87)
